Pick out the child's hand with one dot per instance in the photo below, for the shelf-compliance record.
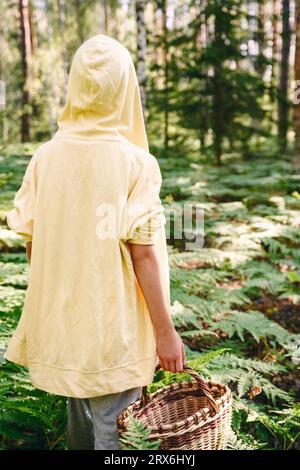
(170, 351)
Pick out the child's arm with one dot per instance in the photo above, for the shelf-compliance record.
(146, 264)
(28, 251)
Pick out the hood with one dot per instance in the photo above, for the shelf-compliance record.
(103, 96)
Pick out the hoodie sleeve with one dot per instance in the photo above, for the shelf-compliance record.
(144, 209)
(21, 218)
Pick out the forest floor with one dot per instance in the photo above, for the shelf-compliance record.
(235, 301)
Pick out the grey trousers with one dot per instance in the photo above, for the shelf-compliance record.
(92, 422)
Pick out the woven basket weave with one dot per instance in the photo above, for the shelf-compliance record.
(190, 415)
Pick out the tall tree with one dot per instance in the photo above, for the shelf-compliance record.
(218, 93)
(261, 37)
(51, 79)
(297, 95)
(218, 89)
(164, 7)
(141, 49)
(60, 6)
(4, 46)
(79, 11)
(203, 121)
(115, 18)
(154, 19)
(26, 58)
(103, 15)
(275, 34)
(283, 105)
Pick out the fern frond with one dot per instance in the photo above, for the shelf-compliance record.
(242, 442)
(253, 323)
(136, 437)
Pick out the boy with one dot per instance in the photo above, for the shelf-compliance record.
(97, 308)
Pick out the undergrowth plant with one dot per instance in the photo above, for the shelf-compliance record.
(235, 302)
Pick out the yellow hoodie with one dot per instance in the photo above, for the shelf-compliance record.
(85, 329)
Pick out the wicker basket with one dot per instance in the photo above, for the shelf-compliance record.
(188, 415)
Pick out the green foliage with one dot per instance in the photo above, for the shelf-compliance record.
(224, 295)
(198, 363)
(232, 302)
(266, 277)
(29, 418)
(241, 441)
(244, 374)
(136, 437)
(215, 93)
(283, 425)
(253, 323)
(236, 298)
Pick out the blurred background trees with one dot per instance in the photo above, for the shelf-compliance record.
(216, 76)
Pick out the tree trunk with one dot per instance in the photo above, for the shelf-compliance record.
(156, 31)
(203, 110)
(217, 113)
(218, 95)
(51, 78)
(61, 23)
(275, 35)
(283, 106)
(261, 38)
(26, 55)
(297, 95)
(117, 22)
(105, 15)
(4, 46)
(166, 74)
(141, 49)
(79, 11)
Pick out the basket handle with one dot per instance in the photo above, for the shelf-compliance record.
(203, 386)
